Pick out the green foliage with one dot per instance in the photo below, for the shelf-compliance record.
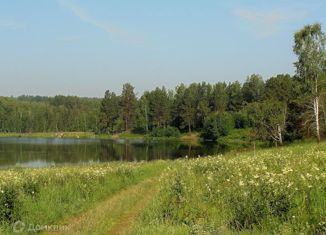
(240, 120)
(109, 113)
(128, 105)
(160, 107)
(165, 132)
(60, 113)
(10, 204)
(276, 191)
(268, 120)
(219, 97)
(235, 96)
(46, 196)
(237, 139)
(142, 115)
(188, 107)
(217, 126)
(309, 46)
(253, 89)
(225, 123)
(281, 88)
(210, 131)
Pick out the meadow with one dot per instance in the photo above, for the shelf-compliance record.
(269, 191)
(50, 195)
(274, 191)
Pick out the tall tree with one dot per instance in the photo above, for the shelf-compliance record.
(188, 107)
(280, 88)
(309, 46)
(219, 97)
(268, 119)
(109, 112)
(235, 97)
(177, 119)
(128, 103)
(203, 92)
(142, 114)
(253, 89)
(160, 107)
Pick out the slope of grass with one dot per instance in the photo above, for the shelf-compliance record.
(46, 196)
(113, 215)
(275, 191)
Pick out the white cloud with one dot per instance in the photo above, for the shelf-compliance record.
(10, 24)
(104, 26)
(268, 23)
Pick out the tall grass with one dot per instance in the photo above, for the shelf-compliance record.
(48, 196)
(275, 191)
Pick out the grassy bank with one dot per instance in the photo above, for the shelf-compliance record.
(53, 135)
(47, 196)
(192, 138)
(275, 191)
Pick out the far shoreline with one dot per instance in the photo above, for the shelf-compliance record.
(192, 138)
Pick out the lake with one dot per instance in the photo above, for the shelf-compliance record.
(43, 152)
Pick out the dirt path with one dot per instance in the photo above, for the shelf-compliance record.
(122, 226)
(116, 214)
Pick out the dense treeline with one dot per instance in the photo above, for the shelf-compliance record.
(45, 114)
(282, 108)
(211, 109)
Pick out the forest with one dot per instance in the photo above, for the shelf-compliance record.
(277, 109)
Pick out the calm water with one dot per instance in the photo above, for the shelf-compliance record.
(42, 152)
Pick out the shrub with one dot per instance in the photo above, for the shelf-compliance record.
(240, 120)
(9, 204)
(216, 126)
(210, 130)
(225, 123)
(165, 132)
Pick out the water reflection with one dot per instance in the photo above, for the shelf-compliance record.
(41, 152)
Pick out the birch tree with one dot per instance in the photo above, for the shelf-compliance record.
(309, 46)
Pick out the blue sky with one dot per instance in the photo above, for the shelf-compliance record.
(83, 47)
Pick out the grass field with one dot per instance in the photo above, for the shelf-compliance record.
(271, 191)
(275, 191)
(51, 195)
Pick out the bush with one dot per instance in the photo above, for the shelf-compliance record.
(240, 120)
(225, 123)
(210, 130)
(216, 126)
(9, 204)
(165, 132)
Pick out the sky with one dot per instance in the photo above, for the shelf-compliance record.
(83, 47)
